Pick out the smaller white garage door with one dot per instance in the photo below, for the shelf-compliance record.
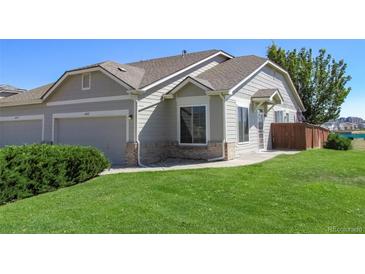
(20, 132)
(105, 133)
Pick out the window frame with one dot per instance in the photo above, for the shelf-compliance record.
(207, 121)
(282, 116)
(248, 126)
(82, 81)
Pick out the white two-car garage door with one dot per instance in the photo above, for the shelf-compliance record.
(105, 133)
(21, 131)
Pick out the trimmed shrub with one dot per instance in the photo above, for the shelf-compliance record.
(337, 142)
(32, 169)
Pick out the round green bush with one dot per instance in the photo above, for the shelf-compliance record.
(32, 169)
(337, 142)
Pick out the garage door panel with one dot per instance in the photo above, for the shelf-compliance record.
(20, 132)
(105, 133)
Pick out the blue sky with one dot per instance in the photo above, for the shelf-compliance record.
(31, 63)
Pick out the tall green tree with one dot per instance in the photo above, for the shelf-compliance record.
(321, 81)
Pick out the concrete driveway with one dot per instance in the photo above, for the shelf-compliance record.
(178, 164)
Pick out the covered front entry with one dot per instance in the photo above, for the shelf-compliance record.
(107, 133)
(21, 131)
(264, 100)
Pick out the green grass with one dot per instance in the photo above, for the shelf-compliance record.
(309, 192)
(358, 144)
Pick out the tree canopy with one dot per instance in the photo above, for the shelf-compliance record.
(320, 80)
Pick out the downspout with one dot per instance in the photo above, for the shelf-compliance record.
(224, 131)
(137, 135)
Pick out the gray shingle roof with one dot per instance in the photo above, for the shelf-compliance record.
(27, 96)
(204, 82)
(140, 74)
(10, 89)
(264, 93)
(130, 75)
(156, 69)
(229, 73)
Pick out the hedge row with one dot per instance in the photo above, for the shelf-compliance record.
(32, 169)
(338, 142)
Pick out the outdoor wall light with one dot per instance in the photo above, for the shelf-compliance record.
(130, 116)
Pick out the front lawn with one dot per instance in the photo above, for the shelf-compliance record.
(318, 191)
(358, 144)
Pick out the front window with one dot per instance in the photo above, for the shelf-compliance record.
(243, 128)
(193, 125)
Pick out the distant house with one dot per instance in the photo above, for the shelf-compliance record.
(362, 126)
(347, 126)
(203, 105)
(333, 125)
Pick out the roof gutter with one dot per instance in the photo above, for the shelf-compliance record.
(217, 92)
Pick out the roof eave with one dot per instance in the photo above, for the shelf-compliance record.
(217, 92)
(14, 104)
(188, 79)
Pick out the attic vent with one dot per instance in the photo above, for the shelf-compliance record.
(122, 69)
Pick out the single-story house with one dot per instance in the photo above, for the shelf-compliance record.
(201, 105)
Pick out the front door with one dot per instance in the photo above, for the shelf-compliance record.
(260, 128)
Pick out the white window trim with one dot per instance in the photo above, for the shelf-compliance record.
(278, 110)
(238, 133)
(88, 114)
(243, 102)
(82, 81)
(207, 124)
(25, 118)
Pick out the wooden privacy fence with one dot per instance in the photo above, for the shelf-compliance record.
(299, 136)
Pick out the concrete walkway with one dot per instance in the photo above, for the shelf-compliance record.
(179, 164)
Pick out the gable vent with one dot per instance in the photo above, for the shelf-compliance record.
(122, 69)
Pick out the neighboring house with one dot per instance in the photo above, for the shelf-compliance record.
(347, 126)
(7, 90)
(202, 105)
(333, 125)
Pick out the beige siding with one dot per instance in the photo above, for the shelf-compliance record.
(153, 116)
(266, 78)
(216, 118)
(193, 95)
(101, 86)
(190, 90)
